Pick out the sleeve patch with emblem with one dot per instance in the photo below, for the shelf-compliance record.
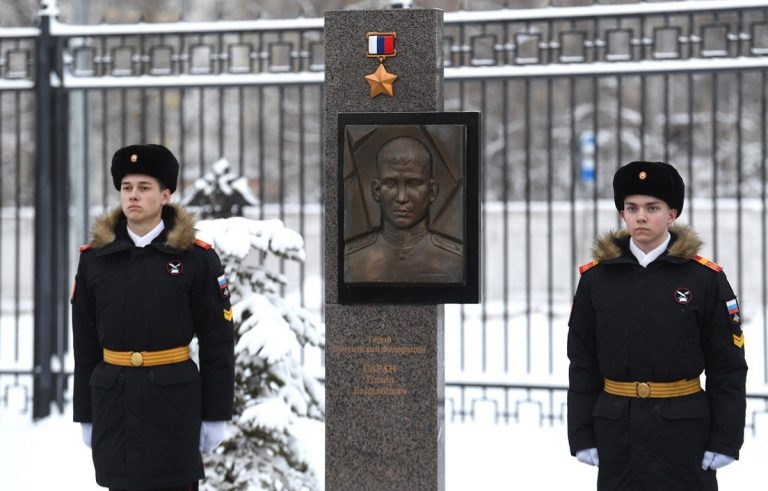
(227, 314)
(223, 286)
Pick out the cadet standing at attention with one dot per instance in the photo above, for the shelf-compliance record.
(144, 288)
(648, 317)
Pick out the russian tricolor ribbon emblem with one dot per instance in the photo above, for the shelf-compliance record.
(381, 44)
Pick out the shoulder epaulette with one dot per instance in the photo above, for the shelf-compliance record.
(706, 262)
(355, 245)
(201, 243)
(85, 247)
(447, 244)
(586, 267)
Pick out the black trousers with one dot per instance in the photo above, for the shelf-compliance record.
(187, 487)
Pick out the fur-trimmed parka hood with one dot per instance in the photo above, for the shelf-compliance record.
(685, 243)
(179, 234)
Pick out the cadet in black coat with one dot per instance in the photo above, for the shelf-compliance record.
(136, 307)
(649, 316)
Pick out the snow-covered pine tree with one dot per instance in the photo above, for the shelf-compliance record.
(272, 388)
(221, 193)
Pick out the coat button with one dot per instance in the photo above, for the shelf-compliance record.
(137, 359)
(643, 390)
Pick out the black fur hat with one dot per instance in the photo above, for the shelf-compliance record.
(152, 160)
(657, 179)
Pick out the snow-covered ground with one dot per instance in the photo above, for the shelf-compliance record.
(480, 455)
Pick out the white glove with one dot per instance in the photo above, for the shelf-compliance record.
(212, 433)
(87, 429)
(588, 456)
(714, 460)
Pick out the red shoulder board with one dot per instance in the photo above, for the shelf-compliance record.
(706, 262)
(203, 244)
(85, 247)
(586, 267)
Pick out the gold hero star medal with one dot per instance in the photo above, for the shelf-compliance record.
(381, 45)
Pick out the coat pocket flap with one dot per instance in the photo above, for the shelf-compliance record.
(104, 375)
(176, 373)
(686, 407)
(609, 406)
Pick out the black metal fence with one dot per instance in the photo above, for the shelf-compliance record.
(567, 95)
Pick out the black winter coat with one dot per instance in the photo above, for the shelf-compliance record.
(663, 323)
(146, 420)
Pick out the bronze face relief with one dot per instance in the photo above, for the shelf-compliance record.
(398, 244)
(408, 207)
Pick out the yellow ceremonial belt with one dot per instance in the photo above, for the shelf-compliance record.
(146, 358)
(653, 389)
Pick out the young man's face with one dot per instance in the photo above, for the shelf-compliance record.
(405, 191)
(142, 200)
(648, 219)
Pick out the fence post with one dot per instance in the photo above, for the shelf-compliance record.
(45, 277)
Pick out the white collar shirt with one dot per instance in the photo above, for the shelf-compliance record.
(646, 259)
(149, 237)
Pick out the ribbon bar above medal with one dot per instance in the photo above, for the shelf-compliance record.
(381, 45)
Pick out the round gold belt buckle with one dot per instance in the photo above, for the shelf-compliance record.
(643, 390)
(137, 359)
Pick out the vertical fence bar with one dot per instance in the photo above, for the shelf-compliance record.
(550, 228)
(666, 117)
(528, 194)
(596, 134)
(281, 167)
(17, 231)
(462, 312)
(739, 207)
(182, 135)
(764, 213)
(642, 117)
(240, 131)
(619, 130)
(690, 188)
(221, 133)
(574, 176)
(2, 212)
(44, 304)
(85, 185)
(484, 247)
(505, 217)
(713, 149)
(262, 177)
(142, 98)
(123, 120)
(201, 132)
(302, 197)
(104, 149)
(60, 142)
(161, 102)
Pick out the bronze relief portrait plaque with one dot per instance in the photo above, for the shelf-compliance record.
(408, 207)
